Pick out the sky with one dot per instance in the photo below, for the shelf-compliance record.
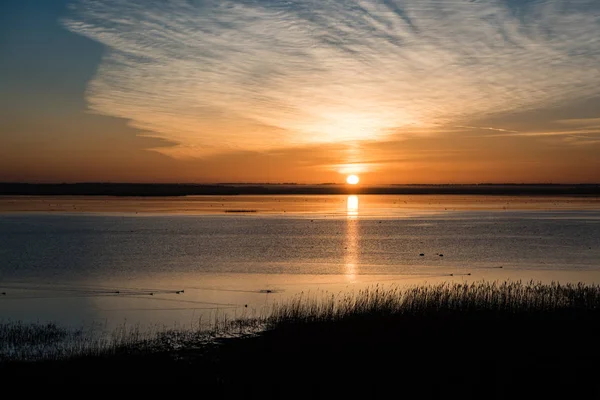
(307, 91)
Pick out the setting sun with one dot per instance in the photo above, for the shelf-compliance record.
(352, 179)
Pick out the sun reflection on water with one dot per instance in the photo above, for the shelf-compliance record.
(351, 242)
(352, 206)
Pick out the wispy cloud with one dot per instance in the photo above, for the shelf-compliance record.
(582, 140)
(487, 128)
(220, 75)
(581, 122)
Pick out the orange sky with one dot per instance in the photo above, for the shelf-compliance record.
(404, 94)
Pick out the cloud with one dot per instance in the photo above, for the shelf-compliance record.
(487, 128)
(228, 75)
(581, 122)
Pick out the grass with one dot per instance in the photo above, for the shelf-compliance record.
(487, 298)
(48, 342)
(490, 340)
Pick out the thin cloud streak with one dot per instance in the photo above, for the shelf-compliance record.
(488, 128)
(225, 75)
(592, 131)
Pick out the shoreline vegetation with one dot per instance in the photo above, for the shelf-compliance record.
(484, 339)
(224, 189)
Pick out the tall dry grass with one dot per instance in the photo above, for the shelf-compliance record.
(465, 298)
(33, 342)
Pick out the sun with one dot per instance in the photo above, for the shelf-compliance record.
(352, 179)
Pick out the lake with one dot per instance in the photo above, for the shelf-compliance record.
(109, 261)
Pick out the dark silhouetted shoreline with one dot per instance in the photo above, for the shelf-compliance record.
(477, 340)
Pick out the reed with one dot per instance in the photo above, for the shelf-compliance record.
(42, 342)
(350, 312)
(491, 298)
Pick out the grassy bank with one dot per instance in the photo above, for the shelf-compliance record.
(484, 340)
(33, 343)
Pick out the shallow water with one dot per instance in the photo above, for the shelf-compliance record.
(116, 260)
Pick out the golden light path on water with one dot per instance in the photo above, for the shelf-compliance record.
(351, 248)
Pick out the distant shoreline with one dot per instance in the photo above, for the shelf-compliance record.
(162, 190)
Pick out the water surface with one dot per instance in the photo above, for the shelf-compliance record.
(77, 260)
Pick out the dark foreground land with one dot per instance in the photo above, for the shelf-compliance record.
(139, 189)
(453, 341)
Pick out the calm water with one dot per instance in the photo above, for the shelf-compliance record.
(125, 260)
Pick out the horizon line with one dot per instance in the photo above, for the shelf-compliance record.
(302, 184)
